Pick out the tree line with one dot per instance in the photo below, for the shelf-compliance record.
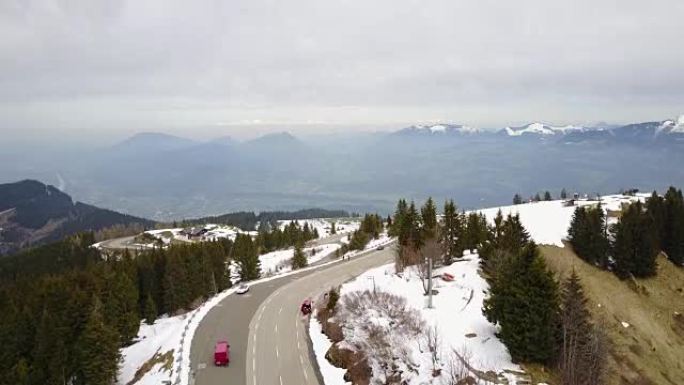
(630, 246)
(66, 323)
(539, 320)
(248, 220)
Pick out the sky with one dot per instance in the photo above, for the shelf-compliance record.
(108, 69)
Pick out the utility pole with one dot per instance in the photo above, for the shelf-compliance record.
(429, 283)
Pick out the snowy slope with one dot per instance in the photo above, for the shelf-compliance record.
(323, 225)
(456, 314)
(548, 222)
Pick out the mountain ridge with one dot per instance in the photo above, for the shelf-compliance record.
(33, 213)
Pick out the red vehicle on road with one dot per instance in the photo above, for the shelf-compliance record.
(306, 306)
(222, 353)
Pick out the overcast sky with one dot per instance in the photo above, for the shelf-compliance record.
(213, 68)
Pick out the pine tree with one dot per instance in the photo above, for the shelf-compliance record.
(428, 215)
(563, 194)
(517, 199)
(634, 249)
(150, 310)
(299, 259)
(523, 301)
(587, 235)
(452, 234)
(247, 257)
(673, 229)
(98, 350)
(547, 196)
(580, 362)
(536, 197)
(412, 227)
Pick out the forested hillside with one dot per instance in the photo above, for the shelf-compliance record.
(32, 213)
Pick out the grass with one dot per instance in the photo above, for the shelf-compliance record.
(651, 349)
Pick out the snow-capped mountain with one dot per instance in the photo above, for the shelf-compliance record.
(542, 129)
(440, 129)
(671, 126)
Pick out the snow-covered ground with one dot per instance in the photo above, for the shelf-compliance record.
(457, 310)
(323, 225)
(548, 221)
(160, 338)
(456, 314)
(279, 261)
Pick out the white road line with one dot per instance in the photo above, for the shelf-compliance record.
(277, 352)
(276, 328)
(281, 380)
(306, 376)
(280, 311)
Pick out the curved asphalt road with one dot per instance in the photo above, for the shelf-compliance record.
(265, 329)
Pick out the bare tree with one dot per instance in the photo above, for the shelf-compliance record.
(434, 344)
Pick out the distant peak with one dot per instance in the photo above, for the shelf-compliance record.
(441, 129)
(541, 129)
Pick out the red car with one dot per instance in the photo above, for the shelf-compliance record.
(306, 306)
(222, 353)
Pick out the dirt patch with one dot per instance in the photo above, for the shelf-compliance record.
(166, 361)
(651, 349)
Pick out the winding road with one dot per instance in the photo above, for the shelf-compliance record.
(266, 331)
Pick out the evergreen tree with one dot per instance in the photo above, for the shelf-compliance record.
(634, 249)
(563, 194)
(655, 208)
(333, 231)
(523, 301)
(299, 259)
(517, 199)
(452, 234)
(673, 229)
(412, 227)
(536, 197)
(150, 310)
(587, 235)
(579, 361)
(247, 257)
(547, 196)
(428, 215)
(98, 350)
(397, 229)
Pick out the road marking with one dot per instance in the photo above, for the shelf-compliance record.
(277, 352)
(276, 328)
(280, 311)
(281, 380)
(254, 365)
(306, 376)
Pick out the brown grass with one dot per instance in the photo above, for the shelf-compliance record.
(165, 359)
(651, 349)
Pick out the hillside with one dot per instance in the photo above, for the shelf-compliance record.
(643, 318)
(33, 213)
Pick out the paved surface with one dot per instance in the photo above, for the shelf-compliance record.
(266, 331)
(119, 244)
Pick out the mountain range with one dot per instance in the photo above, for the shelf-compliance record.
(165, 177)
(32, 213)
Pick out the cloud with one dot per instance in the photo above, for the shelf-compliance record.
(65, 65)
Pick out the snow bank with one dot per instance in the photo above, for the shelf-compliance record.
(321, 344)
